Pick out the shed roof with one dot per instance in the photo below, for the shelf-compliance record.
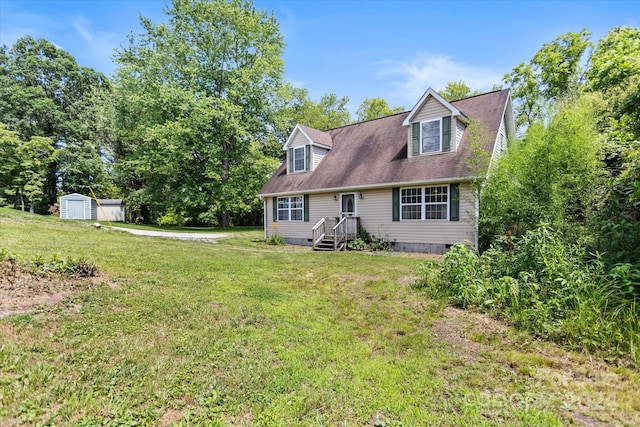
(374, 153)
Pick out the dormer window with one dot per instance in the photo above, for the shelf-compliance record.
(431, 137)
(299, 159)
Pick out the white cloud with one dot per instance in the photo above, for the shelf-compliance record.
(411, 78)
(80, 27)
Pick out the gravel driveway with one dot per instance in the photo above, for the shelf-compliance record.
(173, 235)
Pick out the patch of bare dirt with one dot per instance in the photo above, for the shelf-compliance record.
(457, 327)
(22, 290)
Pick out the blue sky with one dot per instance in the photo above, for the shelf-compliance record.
(355, 48)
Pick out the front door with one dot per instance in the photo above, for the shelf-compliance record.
(348, 205)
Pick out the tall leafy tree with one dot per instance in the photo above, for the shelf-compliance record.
(45, 93)
(553, 73)
(373, 108)
(194, 93)
(553, 175)
(23, 167)
(457, 90)
(615, 71)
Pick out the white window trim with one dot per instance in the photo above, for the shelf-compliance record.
(304, 159)
(289, 209)
(439, 120)
(423, 204)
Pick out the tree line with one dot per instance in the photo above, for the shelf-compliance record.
(187, 130)
(192, 123)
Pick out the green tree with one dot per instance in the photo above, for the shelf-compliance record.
(553, 73)
(553, 175)
(43, 92)
(457, 90)
(193, 95)
(23, 167)
(373, 108)
(558, 64)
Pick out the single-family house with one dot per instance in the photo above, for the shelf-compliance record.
(406, 178)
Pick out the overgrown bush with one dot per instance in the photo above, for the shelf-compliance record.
(172, 217)
(366, 241)
(276, 240)
(545, 285)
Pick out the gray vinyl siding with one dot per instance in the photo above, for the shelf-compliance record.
(375, 217)
(111, 211)
(317, 155)
(299, 140)
(375, 213)
(320, 206)
(501, 141)
(460, 127)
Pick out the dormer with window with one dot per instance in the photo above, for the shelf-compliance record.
(305, 148)
(434, 126)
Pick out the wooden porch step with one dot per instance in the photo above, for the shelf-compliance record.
(327, 245)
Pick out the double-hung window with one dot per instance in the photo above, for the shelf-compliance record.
(290, 208)
(431, 137)
(298, 159)
(424, 202)
(411, 202)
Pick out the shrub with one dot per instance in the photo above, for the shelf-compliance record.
(172, 218)
(550, 287)
(276, 240)
(366, 241)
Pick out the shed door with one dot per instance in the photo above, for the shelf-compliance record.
(75, 209)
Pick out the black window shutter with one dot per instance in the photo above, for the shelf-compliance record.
(305, 208)
(395, 195)
(307, 155)
(454, 203)
(274, 202)
(446, 133)
(415, 140)
(290, 160)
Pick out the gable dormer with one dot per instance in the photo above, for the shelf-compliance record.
(434, 126)
(305, 148)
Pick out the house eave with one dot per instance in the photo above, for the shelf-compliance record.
(430, 92)
(372, 186)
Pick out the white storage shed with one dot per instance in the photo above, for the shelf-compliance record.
(112, 210)
(77, 206)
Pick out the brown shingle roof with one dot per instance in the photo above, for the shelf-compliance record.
(374, 153)
(318, 135)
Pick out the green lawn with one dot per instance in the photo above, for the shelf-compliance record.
(237, 332)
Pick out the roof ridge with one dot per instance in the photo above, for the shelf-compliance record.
(366, 121)
(479, 94)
